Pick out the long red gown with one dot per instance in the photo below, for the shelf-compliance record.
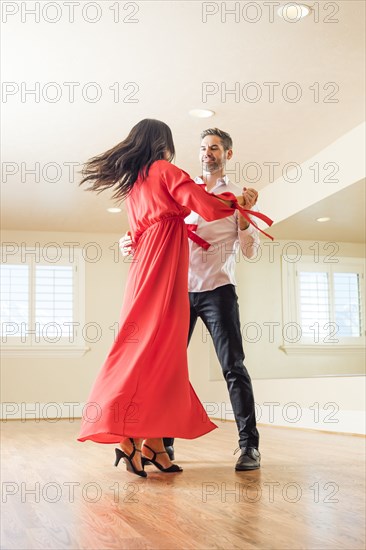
(143, 389)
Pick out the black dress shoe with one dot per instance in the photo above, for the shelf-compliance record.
(170, 450)
(249, 459)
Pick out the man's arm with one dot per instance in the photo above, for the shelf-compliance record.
(248, 235)
(250, 198)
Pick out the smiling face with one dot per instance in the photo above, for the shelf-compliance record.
(212, 155)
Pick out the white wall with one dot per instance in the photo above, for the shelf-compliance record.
(61, 380)
(287, 389)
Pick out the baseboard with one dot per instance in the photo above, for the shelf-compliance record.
(293, 416)
(51, 412)
(273, 414)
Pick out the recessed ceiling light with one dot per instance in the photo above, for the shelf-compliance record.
(293, 12)
(201, 113)
(114, 210)
(321, 220)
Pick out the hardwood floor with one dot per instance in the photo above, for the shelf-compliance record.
(58, 493)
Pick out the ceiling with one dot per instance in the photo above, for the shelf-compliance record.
(161, 56)
(346, 210)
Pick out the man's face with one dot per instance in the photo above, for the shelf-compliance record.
(213, 155)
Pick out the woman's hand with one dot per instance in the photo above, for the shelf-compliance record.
(125, 245)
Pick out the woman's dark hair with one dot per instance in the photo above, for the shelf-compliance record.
(148, 141)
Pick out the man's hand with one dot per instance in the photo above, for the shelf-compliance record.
(125, 245)
(250, 197)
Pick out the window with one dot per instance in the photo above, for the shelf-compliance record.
(42, 305)
(323, 303)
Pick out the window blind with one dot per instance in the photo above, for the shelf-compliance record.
(53, 300)
(347, 304)
(314, 302)
(14, 299)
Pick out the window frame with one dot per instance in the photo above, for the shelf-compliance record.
(291, 306)
(64, 347)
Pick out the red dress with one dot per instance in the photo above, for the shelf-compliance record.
(143, 388)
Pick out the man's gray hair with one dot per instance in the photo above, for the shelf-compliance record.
(226, 140)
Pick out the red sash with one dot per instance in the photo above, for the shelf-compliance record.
(191, 228)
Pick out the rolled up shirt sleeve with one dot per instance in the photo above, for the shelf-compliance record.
(249, 239)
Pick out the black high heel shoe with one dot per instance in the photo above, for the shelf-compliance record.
(128, 460)
(173, 468)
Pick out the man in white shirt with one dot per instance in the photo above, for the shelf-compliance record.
(211, 285)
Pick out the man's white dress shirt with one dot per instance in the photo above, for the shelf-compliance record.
(209, 269)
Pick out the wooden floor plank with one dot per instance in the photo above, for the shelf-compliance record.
(60, 494)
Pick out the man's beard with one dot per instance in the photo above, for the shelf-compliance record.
(212, 167)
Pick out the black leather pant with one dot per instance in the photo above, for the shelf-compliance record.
(219, 312)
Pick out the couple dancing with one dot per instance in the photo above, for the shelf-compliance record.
(143, 390)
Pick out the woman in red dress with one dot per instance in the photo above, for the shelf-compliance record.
(142, 392)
